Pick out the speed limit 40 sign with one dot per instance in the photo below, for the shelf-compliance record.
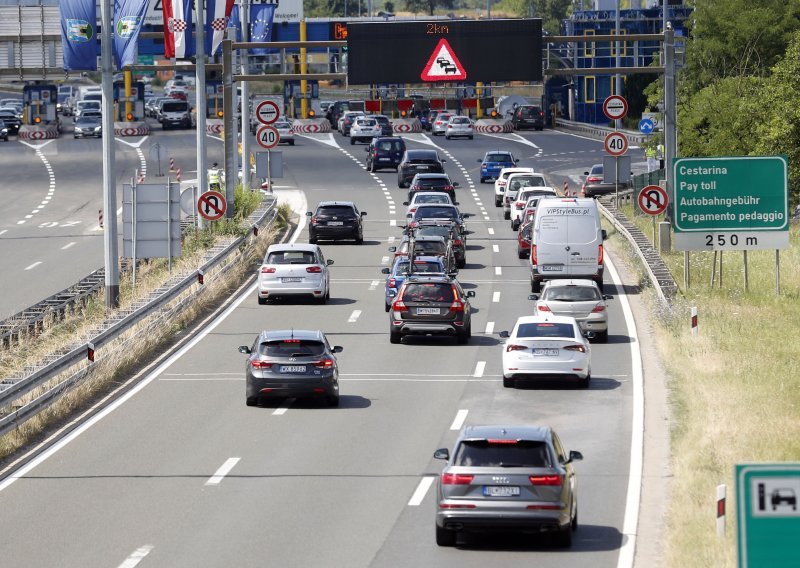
(268, 137)
(616, 143)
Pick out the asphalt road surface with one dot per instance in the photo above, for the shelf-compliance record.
(182, 473)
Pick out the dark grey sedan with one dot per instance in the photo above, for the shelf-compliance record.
(291, 364)
(507, 478)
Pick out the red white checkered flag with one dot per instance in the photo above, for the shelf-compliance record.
(218, 12)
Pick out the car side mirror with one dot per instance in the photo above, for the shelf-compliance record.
(385, 270)
(392, 249)
(244, 349)
(470, 293)
(516, 160)
(586, 173)
(329, 262)
(443, 161)
(467, 232)
(479, 161)
(604, 233)
(337, 349)
(456, 184)
(405, 202)
(467, 215)
(574, 456)
(309, 214)
(366, 149)
(442, 454)
(533, 297)
(608, 297)
(504, 334)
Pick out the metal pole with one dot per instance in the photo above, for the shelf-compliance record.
(617, 50)
(720, 268)
(169, 226)
(109, 176)
(777, 272)
(714, 269)
(745, 271)
(133, 233)
(228, 125)
(202, 105)
(686, 270)
(304, 70)
(488, 9)
(245, 113)
(670, 126)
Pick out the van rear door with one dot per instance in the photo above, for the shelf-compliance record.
(566, 239)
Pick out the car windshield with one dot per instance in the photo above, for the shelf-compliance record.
(174, 107)
(419, 266)
(545, 329)
(530, 111)
(435, 198)
(434, 212)
(460, 121)
(529, 181)
(367, 123)
(498, 158)
(429, 247)
(390, 145)
(382, 119)
(291, 348)
(428, 292)
(291, 257)
(505, 453)
(337, 210)
(432, 182)
(571, 293)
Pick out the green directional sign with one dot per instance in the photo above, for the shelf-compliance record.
(768, 515)
(731, 203)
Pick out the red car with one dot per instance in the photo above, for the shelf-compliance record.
(524, 240)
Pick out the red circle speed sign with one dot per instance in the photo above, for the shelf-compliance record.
(268, 136)
(267, 112)
(653, 200)
(616, 143)
(615, 107)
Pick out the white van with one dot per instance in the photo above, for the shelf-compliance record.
(567, 241)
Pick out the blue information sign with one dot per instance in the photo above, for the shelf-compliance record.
(646, 126)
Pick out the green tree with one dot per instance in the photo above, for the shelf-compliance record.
(552, 12)
(389, 7)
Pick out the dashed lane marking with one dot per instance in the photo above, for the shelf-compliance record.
(224, 470)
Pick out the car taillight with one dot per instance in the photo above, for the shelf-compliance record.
(456, 479)
(457, 242)
(267, 269)
(520, 205)
(314, 269)
(545, 479)
(314, 220)
(457, 306)
(412, 210)
(593, 179)
(326, 363)
(533, 254)
(448, 188)
(449, 126)
(399, 306)
(598, 308)
(484, 165)
(543, 308)
(510, 348)
(541, 113)
(501, 183)
(579, 348)
(469, 126)
(600, 254)
(260, 364)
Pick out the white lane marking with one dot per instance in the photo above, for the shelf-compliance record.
(498, 270)
(20, 222)
(489, 327)
(480, 366)
(393, 222)
(354, 316)
(374, 284)
(634, 493)
(419, 494)
(281, 410)
(490, 231)
(132, 144)
(68, 245)
(495, 248)
(496, 297)
(34, 265)
(137, 556)
(4, 231)
(223, 470)
(385, 260)
(458, 422)
(390, 240)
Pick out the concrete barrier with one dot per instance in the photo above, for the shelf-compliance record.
(406, 125)
(311, 125)
(28, 132)
(131, 129)
(493, 126)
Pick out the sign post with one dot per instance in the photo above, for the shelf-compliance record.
(653, 201)
(615, 108)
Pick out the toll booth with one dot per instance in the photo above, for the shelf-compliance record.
(136, 100)
(40, 102)
(213, 99)
(292, 97)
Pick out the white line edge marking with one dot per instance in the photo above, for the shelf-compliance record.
(34, 265)
(495, 248)
(498, 270)
(458, 421)
(496, 297)
(633, 497)
(55, 448)
(281, 410)
(223, 470)
(354, 316)
(490, 231)
(137, 556)
(419, 494)
(68, 245)
(480, 366)
(489, 327)
(4, 231)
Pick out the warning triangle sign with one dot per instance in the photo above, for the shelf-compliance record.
(443, 65)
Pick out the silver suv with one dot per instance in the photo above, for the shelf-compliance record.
(507, 478)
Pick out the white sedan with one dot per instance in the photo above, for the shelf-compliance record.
(459, 126)
(546, 347)
(364, 129)
(502, 179)
(286, 131)
(294, 270)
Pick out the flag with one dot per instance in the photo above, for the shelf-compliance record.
(261, 25)
(79, 34)
(128, 19)
(178, 40)
(235, 22)
(218, 13)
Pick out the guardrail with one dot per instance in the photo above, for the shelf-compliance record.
(597, 131)
(163, 303)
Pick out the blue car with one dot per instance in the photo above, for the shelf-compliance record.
(493, 162)
(399, 271)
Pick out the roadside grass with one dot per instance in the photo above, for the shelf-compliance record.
(141, 343)
(734, 388)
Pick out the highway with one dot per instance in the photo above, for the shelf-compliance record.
(181, 473)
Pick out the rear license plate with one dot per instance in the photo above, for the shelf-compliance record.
(293, 368)
(335, 223)
(501, 491)
(291, 280)
(428, 311)
(551, 267)
(422, 167)
(384, 159)
(546, 352)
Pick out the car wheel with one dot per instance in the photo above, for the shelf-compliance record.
(312, 239)
(508, 383)
(360, 240)
(291, 142)
(386, 307)
(602, 337)
(563, 538)
(445, 537)
(352, 141)
(333, 401)
(584, 383)
(262, 301)
(322, 299)
(515, 225)
(394, 336)
(506, 215)
(521, 253)
(483, 180)
(252, 401)
(536, 286)
(461, 263)
(462, 338)
(470, 137)
(498, 201)
(574, 523)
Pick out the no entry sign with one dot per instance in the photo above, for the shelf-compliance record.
(267, 112)
(615, 107)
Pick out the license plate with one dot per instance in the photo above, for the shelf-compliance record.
(384, 159)
(546, 352)
(501, 490)
(422, 167)
(428, 311)
(291, 279)
(551, 267)
(293, 368)
(335, 223)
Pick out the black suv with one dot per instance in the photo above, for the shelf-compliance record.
(3, 131)
(450, 230)
(431, 305)
(336, 220)
(418, 162)
(528, 116)
(433, 182)
(385, 153)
